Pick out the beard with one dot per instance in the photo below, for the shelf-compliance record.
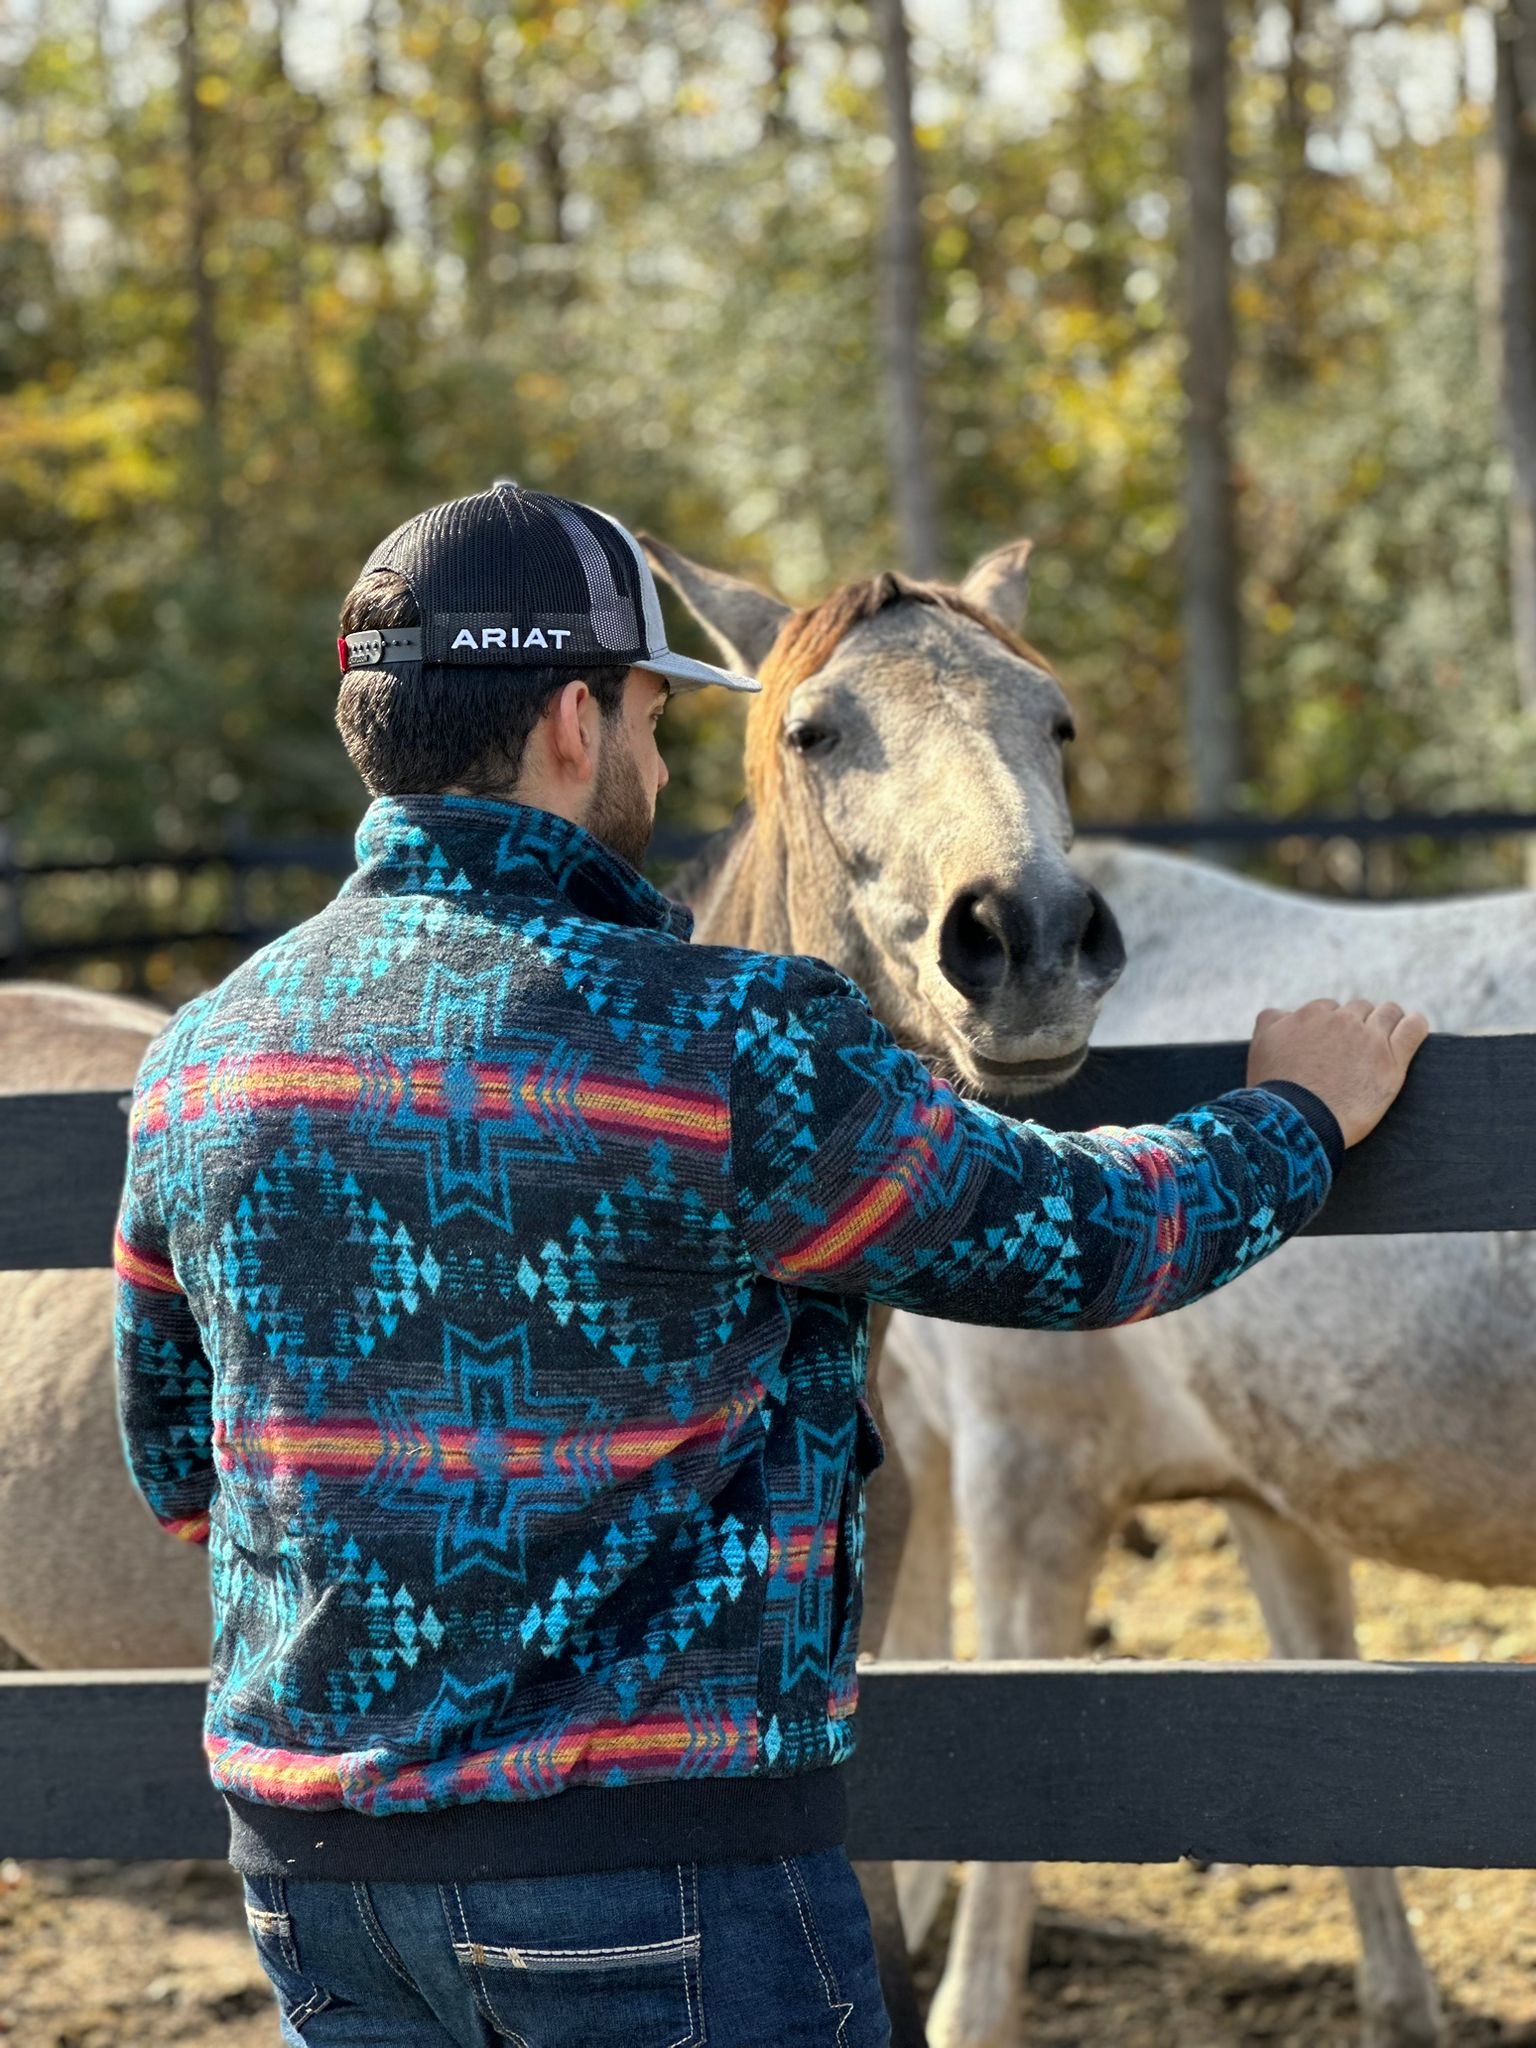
(621, 816)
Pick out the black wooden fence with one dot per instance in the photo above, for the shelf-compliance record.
(1356, 1764)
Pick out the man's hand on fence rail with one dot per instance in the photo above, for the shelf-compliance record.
(1354, 1055)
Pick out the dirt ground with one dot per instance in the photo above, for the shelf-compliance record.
(107, 1955)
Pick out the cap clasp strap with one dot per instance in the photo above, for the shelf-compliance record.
(385, 648)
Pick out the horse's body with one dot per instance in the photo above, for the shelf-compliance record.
(87, 1579)
(1377, 1389)
(1363, 1395)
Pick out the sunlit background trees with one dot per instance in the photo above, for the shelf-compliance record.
(1216, 301)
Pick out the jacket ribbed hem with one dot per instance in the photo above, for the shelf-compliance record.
(677, 1820)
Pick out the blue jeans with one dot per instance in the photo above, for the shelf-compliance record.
(732, 1955)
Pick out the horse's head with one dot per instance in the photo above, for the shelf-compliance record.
(904, 771)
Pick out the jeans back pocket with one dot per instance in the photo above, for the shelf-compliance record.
(608, 1959)
(270, 1924)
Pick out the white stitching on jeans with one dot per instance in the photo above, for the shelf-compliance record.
(842, 2006)
(686, 1944)
(693, 2038)
(698, 1979)
(477, 1986)
(375, 1933)
(682, 1921)
(276, 1923)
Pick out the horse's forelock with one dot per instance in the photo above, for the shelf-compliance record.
(810, 636)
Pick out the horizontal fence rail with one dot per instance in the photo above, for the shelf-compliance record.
(335, 855)
(1359, 1764)
(1454, 1153)
(1340, 1763)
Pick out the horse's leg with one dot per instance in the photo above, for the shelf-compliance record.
(886, 1517)
(1304, 1591)
(1036, 1543)
(888, 1498)
(917, 1629)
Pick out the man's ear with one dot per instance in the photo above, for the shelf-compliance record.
(567, 744)
(742, 620)
(999, 582)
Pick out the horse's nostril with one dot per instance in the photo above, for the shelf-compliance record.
(1101, 947)
(972, 956)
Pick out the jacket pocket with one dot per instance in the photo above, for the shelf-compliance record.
(581, 1962)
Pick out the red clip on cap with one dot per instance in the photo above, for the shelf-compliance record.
(341, 650)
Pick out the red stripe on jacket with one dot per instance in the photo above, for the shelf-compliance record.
(488, 1092)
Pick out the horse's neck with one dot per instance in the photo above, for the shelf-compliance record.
(774, 890)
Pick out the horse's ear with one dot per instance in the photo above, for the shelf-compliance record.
(742, 620)
(999, 582)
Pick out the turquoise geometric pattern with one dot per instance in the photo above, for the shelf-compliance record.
(493, 1269)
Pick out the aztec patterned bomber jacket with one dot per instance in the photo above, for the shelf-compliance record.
(492, 1283)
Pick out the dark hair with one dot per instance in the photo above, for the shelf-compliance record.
(436, 726)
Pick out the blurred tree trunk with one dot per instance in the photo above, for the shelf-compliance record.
(1212, 631)
(380, 221)
(481, 195)
(292, 171)
(1291, 264)
(121, 199)
(551, 155)
(549, 149)
(207, 366)
(781, 68)
(1515, 126)
(902, 306)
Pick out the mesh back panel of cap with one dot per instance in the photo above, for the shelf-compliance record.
(510, 563)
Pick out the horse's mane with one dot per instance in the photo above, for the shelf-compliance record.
(687, 882)
(806, 642)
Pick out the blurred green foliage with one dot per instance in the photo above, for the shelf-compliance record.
(627, 250)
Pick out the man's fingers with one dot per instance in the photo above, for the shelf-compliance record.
(1399, 1029)
(1408, 1035)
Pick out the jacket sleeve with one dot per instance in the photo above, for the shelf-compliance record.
(164, 1385)
(858, 1171)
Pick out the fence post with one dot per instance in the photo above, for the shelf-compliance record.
(13, 929)
(238, 844)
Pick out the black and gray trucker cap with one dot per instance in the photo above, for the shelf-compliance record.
(520, 579)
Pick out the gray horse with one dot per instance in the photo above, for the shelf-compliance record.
(1365, 1396)
(1369, 1396)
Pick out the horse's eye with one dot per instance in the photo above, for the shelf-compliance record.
(1064, 730)
(806, 738)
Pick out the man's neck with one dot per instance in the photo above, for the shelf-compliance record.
(534, 793)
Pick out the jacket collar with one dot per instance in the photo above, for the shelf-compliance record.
(468, 846)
